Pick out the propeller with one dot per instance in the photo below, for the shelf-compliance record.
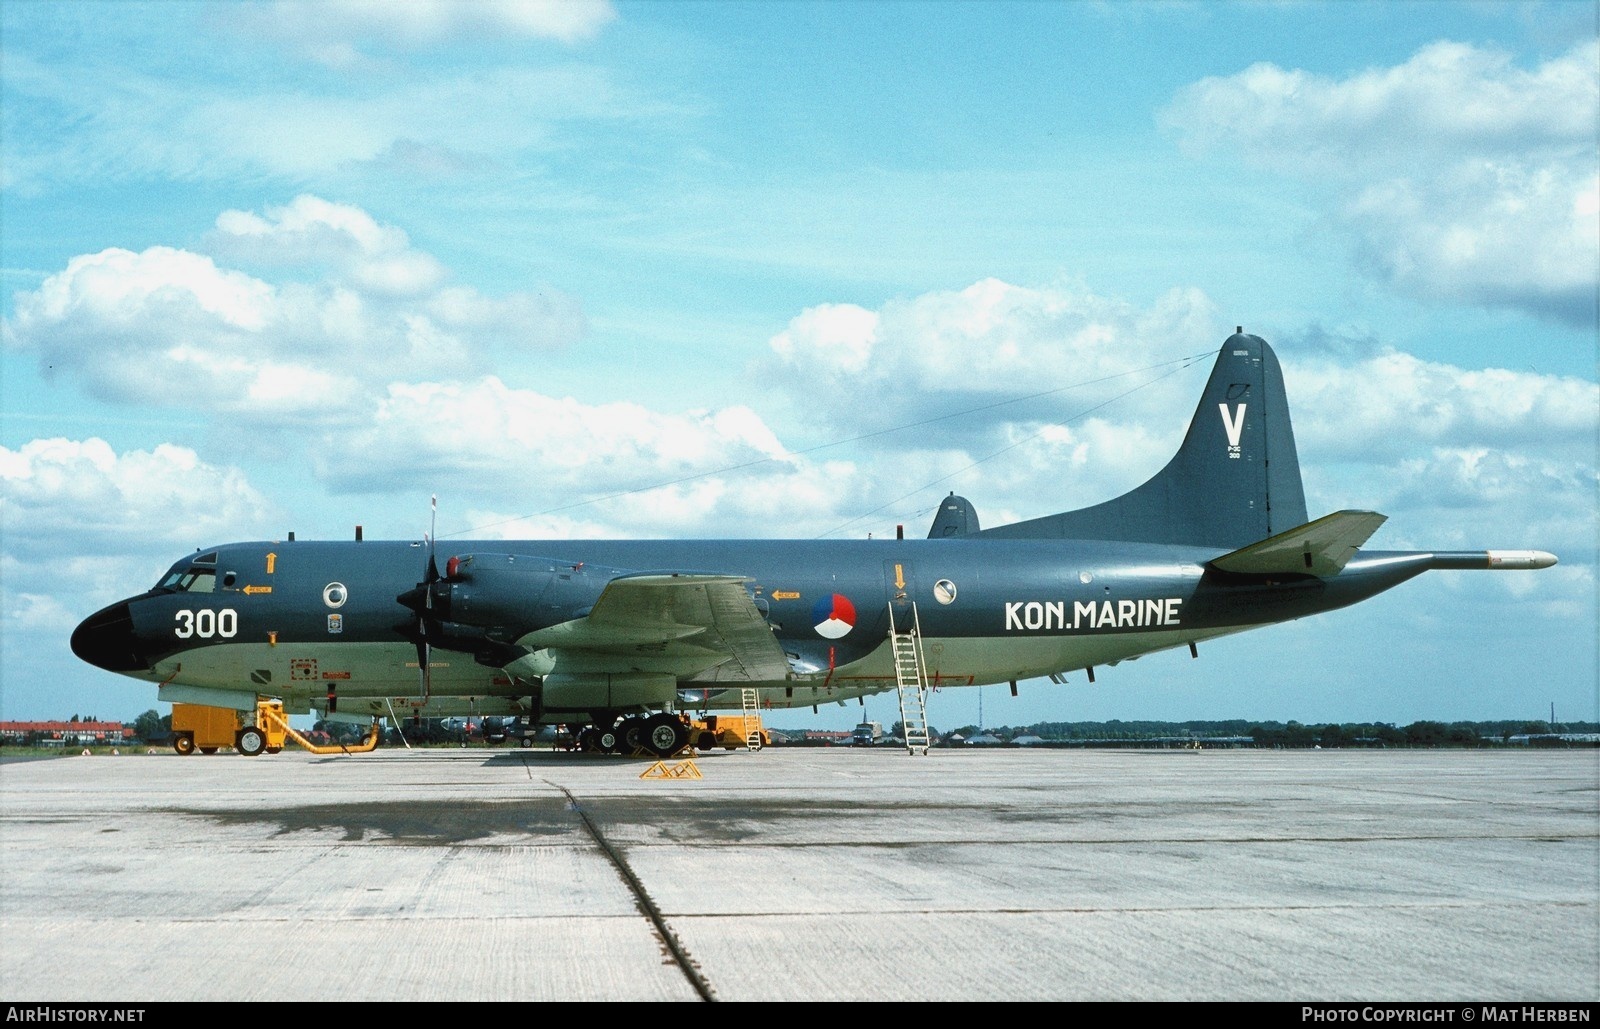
(420, 600)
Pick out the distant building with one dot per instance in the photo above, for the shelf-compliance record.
(1556, 739)
(63, 734)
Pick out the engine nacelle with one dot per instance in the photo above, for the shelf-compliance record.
(510, 595)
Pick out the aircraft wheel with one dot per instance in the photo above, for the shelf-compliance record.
(251, 741)
(609, 740)
(633, 734)
(589, 740)
(183, 743)
(666, 735)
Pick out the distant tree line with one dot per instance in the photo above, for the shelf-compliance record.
(1289, 734)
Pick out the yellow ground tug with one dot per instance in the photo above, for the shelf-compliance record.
(730, 732)
(208, 729)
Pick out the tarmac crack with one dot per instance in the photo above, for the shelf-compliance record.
(669, 939)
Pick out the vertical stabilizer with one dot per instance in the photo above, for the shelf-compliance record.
(1235, 481)
(955, 518)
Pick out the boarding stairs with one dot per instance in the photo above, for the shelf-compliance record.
(910, 678)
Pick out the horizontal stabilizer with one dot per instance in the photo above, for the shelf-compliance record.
(1318, 548)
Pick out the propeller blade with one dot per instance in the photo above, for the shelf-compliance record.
(425, 610)
(433, 535)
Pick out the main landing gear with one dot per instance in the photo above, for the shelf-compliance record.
(659, 735)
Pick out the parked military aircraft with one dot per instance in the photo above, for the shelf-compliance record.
(617, 635)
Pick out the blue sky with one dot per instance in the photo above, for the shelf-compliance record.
(707, 269)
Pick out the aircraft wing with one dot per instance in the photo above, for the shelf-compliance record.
(1317, 548)
(692, 620)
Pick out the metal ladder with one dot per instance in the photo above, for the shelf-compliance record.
(908, 676)
(752, 718)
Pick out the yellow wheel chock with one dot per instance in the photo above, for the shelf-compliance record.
(681, 770)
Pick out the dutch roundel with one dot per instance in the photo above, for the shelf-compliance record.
(834, 616)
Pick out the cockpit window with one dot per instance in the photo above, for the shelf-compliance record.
(189, 580)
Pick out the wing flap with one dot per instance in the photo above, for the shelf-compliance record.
(1320, 548)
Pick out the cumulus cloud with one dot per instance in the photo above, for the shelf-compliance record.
(1454, 498)
(310, 230)
(1459, 175)
(36, 613)
(1375, 426)
(1390, 402)
(794, 499)
(484, 436)
(867, 369)
(1043, 397)
(1032, 398)
(1460, 458)
(1449, 100)
(351, 302)
(839, 337)
(1493, 234)
(115, 502)
(85, 524)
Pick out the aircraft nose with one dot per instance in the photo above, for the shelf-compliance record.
(106, 640)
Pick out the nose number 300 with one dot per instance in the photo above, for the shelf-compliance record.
(206, 623)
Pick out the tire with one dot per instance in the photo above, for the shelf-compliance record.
(633, 735)
(609, 740)
(183, 743)
(527, 741)
(251, 741)
(665, 735)
(209, 750)
(589, 740)
(274, 750)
